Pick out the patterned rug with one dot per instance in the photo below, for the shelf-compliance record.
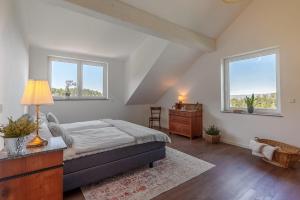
(147, 183)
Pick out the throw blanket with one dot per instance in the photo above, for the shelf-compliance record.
(140, 133)
(262, 150)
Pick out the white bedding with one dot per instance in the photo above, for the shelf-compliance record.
(141, 134)
(85, 125)
(99, 139)
(114, 134)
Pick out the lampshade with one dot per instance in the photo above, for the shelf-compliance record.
(37, 92)
(180, 98)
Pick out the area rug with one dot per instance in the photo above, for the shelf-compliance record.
(147, 183)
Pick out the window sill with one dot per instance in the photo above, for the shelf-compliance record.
(255, 113)
(80, 99)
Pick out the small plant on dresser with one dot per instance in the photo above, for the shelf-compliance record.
(212, 134)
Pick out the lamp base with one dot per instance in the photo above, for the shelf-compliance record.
(37, 141)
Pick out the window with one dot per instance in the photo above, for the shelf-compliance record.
(254, 73)
(92, 80)
(77, 79)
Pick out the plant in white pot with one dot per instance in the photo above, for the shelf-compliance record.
(16, 130)
(212, 134)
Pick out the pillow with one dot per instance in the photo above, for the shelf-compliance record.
(29, 117)
(32, 118)
(56, 131)
(52, 118)
(42, 116)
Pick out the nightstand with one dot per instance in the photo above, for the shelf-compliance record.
(34, 173)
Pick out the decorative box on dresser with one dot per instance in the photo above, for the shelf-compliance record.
(32, 174)
(187, 121)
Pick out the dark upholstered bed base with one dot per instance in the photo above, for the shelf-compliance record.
(93, 168)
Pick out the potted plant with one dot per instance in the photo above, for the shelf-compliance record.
(212, 134)
(250, 103)
(16, 130)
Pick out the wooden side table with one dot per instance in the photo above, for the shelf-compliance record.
(35, 173)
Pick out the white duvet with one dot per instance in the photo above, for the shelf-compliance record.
(112, 135)
(77, 126)
(99, 139)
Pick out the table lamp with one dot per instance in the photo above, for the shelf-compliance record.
(37, 92)
(179, 105)
(180, 99)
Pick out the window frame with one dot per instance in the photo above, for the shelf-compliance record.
(80, 63)
(226, 86)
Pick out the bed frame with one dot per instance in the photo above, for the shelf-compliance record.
(90, 169)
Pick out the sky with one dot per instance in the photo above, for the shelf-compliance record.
(92, 75)
(255, 75)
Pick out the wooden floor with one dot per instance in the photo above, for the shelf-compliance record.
(237, 176)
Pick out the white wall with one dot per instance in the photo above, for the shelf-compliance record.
(72, 111)
(141, 61)
(13, 62)
(167, 69)
(265, 23)
(154, 67)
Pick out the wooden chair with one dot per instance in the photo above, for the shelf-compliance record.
(155, 116)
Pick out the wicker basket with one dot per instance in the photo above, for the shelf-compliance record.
(286, 156)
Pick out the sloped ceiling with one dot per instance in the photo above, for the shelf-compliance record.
(53, 26)
(164, 73)
(50, 26)
(57, 28)
(210, 17)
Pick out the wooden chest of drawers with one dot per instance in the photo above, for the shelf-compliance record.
(186, 123)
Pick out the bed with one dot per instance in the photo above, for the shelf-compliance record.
(105, 148)
(93, 168)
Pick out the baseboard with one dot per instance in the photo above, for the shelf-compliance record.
(246, 146)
